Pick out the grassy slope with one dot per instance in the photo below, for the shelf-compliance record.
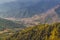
(39, 32)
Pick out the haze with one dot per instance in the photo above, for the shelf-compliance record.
(5, 1)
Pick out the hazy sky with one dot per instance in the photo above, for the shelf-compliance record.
(3, 1)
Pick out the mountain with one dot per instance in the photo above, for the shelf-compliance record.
(7, 24)
(58, 11)
(50, 16)
(39, 32)
(25, 9)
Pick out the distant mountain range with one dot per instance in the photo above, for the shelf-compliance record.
(52, 15)
(23, 9)
(31, 12)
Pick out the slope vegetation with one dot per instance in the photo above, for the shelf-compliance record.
(39, 32)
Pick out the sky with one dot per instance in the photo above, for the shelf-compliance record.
(4, 1)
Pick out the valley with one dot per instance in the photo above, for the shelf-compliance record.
(29, 19)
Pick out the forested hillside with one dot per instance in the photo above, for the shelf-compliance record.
(38, 32)
(7, 24)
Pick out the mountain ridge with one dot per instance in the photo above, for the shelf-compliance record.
(26, 9)
(47, 17)
(50, 16)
